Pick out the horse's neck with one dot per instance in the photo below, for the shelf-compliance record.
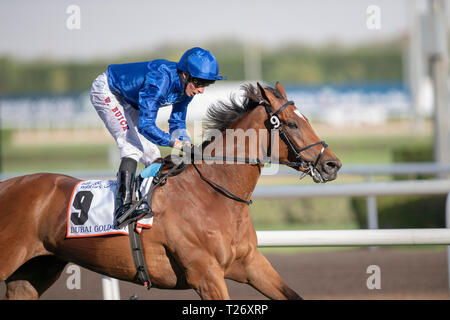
(239, 177)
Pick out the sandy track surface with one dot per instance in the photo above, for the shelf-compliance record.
(337, 274)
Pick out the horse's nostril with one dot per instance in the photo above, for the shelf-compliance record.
(332, 166)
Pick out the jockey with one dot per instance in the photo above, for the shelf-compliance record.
(127, 98)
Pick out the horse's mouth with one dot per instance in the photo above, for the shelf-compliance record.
(318, 175)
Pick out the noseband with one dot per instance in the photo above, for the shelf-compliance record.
(308, 167)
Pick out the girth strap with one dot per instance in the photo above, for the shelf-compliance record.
(142, 274)
(138, 256)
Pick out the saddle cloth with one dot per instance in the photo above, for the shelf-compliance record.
(91, 209)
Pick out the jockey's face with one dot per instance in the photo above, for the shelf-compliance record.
(192, 89)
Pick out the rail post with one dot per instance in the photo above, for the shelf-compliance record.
(372, 211)
(110, 288)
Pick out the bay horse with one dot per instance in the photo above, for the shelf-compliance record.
(199, 238)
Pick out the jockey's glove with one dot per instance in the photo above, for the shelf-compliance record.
(151, 170)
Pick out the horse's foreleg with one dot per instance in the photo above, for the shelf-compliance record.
(208, 281)
(259, 273)
(33, 278)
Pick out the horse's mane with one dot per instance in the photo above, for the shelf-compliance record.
(222, 114)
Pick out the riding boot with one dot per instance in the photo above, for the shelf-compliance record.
(124, 189)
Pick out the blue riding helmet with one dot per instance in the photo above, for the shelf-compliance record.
(200, 63)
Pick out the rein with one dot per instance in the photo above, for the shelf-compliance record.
(221, 189)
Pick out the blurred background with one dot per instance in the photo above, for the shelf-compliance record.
(372, 77)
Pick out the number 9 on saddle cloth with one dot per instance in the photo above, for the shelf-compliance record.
(91, 208)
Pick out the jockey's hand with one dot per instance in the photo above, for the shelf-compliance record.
(180, 144)
(151, 170)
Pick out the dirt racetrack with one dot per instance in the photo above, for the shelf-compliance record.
(336, 274)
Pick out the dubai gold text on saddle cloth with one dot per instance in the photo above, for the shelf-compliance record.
(91, 209)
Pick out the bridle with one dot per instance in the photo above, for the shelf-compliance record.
(308, 167)
(272, 123)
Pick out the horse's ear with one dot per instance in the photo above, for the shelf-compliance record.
(263, 93)
(281, 89)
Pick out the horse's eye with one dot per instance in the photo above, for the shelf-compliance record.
(292, 125)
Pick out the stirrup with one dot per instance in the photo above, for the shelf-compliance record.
(121, 215)
(132, 214)
(122, 219)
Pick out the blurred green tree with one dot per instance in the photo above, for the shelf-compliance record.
(289, 63)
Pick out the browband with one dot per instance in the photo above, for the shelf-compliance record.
(283, 107)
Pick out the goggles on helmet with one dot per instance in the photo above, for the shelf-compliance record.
(198, 82)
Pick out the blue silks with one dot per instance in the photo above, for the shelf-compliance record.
(148, 86)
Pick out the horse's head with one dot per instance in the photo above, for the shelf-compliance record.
(299, 146)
